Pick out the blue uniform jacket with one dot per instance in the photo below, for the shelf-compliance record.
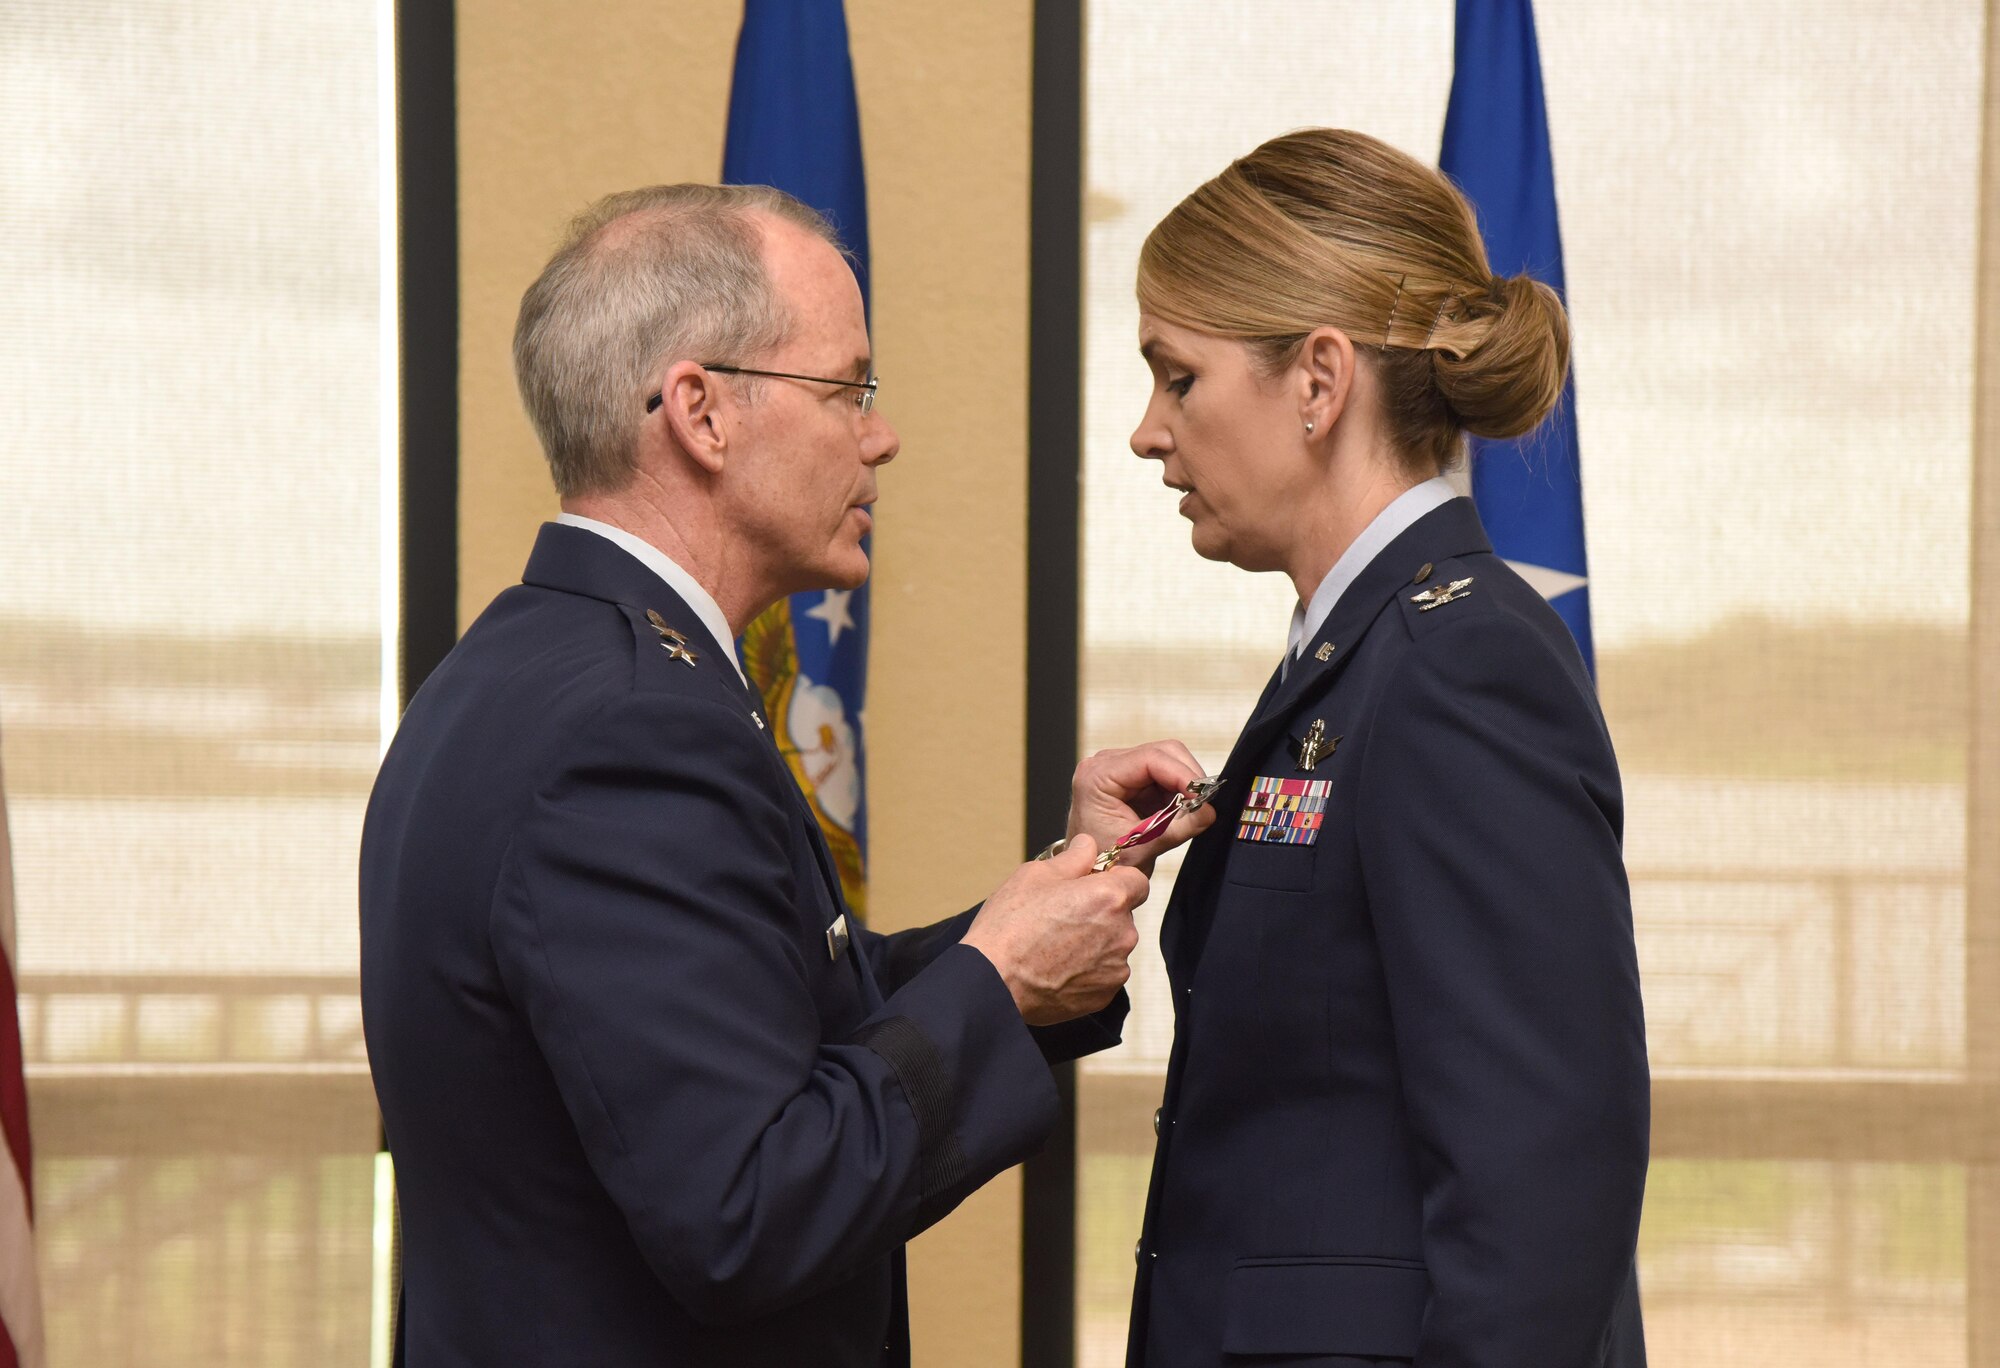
(1406, 1111)
(640, 1112)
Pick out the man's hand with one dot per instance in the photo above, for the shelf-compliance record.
(1115, 789)
(1060, 935)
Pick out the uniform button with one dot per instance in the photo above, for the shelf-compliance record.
(1138, 1246)
(1156, 1119)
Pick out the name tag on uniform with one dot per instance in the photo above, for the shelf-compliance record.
(1284, 811)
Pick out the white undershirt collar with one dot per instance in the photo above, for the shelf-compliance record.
(677, 579)
(1391, 523)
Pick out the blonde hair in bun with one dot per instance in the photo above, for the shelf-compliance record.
(1326, 226)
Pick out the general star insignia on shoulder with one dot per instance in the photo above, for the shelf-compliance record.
(676, 645)
(1439, 595)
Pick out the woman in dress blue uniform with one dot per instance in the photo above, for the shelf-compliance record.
(1406, 1112)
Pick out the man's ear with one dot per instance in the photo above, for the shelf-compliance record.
(1325, 376)
(694, 409)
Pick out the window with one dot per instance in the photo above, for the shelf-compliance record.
(1770, 218)
(192, 683)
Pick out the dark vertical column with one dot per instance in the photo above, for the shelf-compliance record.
(427, 290)
(1055, 466)
(427, 266)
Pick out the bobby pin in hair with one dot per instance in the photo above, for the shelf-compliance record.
(1443, 304)
(1389, 328)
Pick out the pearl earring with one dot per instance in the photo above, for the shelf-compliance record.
(1309, 427)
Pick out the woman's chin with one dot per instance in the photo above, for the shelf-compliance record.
(1212, 543)
(1209, 542)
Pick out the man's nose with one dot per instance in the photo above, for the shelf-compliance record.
(882, 442)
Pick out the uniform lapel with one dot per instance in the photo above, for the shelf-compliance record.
(1205, 853)
(1453, 529)
(828, 871)
(871, 991)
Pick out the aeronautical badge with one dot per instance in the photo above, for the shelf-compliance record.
(1315, 745)
(1439, 595)
(1284, 811)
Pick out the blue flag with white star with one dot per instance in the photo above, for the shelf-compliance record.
(1496, 148)
(794, 124)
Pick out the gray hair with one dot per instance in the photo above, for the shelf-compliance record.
(644, 275)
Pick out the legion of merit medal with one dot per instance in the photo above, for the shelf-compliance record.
(1190, 798)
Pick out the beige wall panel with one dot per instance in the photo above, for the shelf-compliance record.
(557, 105)
(553, 113)
(944, 93)
(944, 108)
(1982, 809)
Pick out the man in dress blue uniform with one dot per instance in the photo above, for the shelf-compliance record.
(653, 1100)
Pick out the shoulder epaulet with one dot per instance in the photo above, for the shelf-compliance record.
(675, 642)
(674, 659)
(670, 655)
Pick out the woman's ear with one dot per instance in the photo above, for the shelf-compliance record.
(1325, 377)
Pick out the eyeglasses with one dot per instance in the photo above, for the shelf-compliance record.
(865, 400)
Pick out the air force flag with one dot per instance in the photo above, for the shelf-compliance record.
(794, 124)
(1496, 147)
